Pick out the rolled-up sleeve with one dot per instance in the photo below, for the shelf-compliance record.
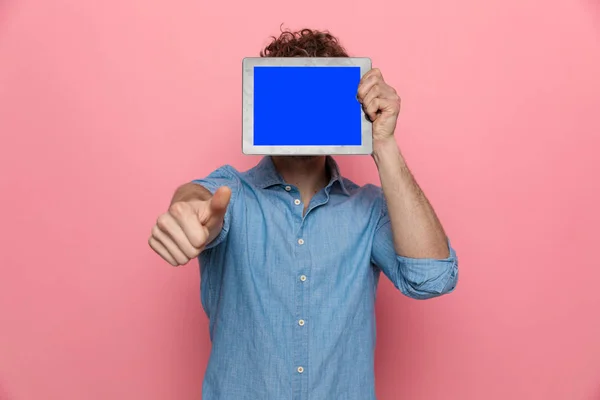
(223, 176)
(418, 278)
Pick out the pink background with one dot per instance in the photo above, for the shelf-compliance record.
(106, 106)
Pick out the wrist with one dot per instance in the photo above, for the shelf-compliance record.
(385, 149)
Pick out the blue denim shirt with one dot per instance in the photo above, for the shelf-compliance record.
(291, 298)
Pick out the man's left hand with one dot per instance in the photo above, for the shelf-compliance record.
(380, 102)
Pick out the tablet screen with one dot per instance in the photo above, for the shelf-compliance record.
(306, 106)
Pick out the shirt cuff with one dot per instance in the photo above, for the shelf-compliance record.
(430, 275)
(212, 188)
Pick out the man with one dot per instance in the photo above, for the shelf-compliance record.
(291, 253)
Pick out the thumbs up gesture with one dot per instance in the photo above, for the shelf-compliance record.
(181, 233)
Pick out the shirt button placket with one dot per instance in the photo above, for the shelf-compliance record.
(301, 331)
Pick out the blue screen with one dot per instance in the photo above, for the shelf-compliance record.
(306, 106)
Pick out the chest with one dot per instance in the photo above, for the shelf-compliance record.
(278, 228)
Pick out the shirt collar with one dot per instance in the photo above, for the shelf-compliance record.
(267, 175)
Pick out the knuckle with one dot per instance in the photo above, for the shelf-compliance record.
(161, 221)
(177, 209)
(192, 253)
(155, 232)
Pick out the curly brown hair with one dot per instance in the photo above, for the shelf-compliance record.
(304, 43)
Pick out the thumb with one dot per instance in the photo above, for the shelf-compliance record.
(219, 202)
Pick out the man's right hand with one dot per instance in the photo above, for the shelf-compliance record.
(181, 233)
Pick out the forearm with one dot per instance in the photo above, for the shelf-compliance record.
(416, 229)
(191, 191)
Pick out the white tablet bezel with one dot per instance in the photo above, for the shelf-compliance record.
(248, 146)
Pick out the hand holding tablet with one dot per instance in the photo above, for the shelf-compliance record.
(304, 106)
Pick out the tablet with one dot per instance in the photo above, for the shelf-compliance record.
(304, 106)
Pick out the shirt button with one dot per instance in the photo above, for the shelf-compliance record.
(288, 188)
(303, 278)
(300, 242)
(301, 322)
(300, 370)
(297, 202)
